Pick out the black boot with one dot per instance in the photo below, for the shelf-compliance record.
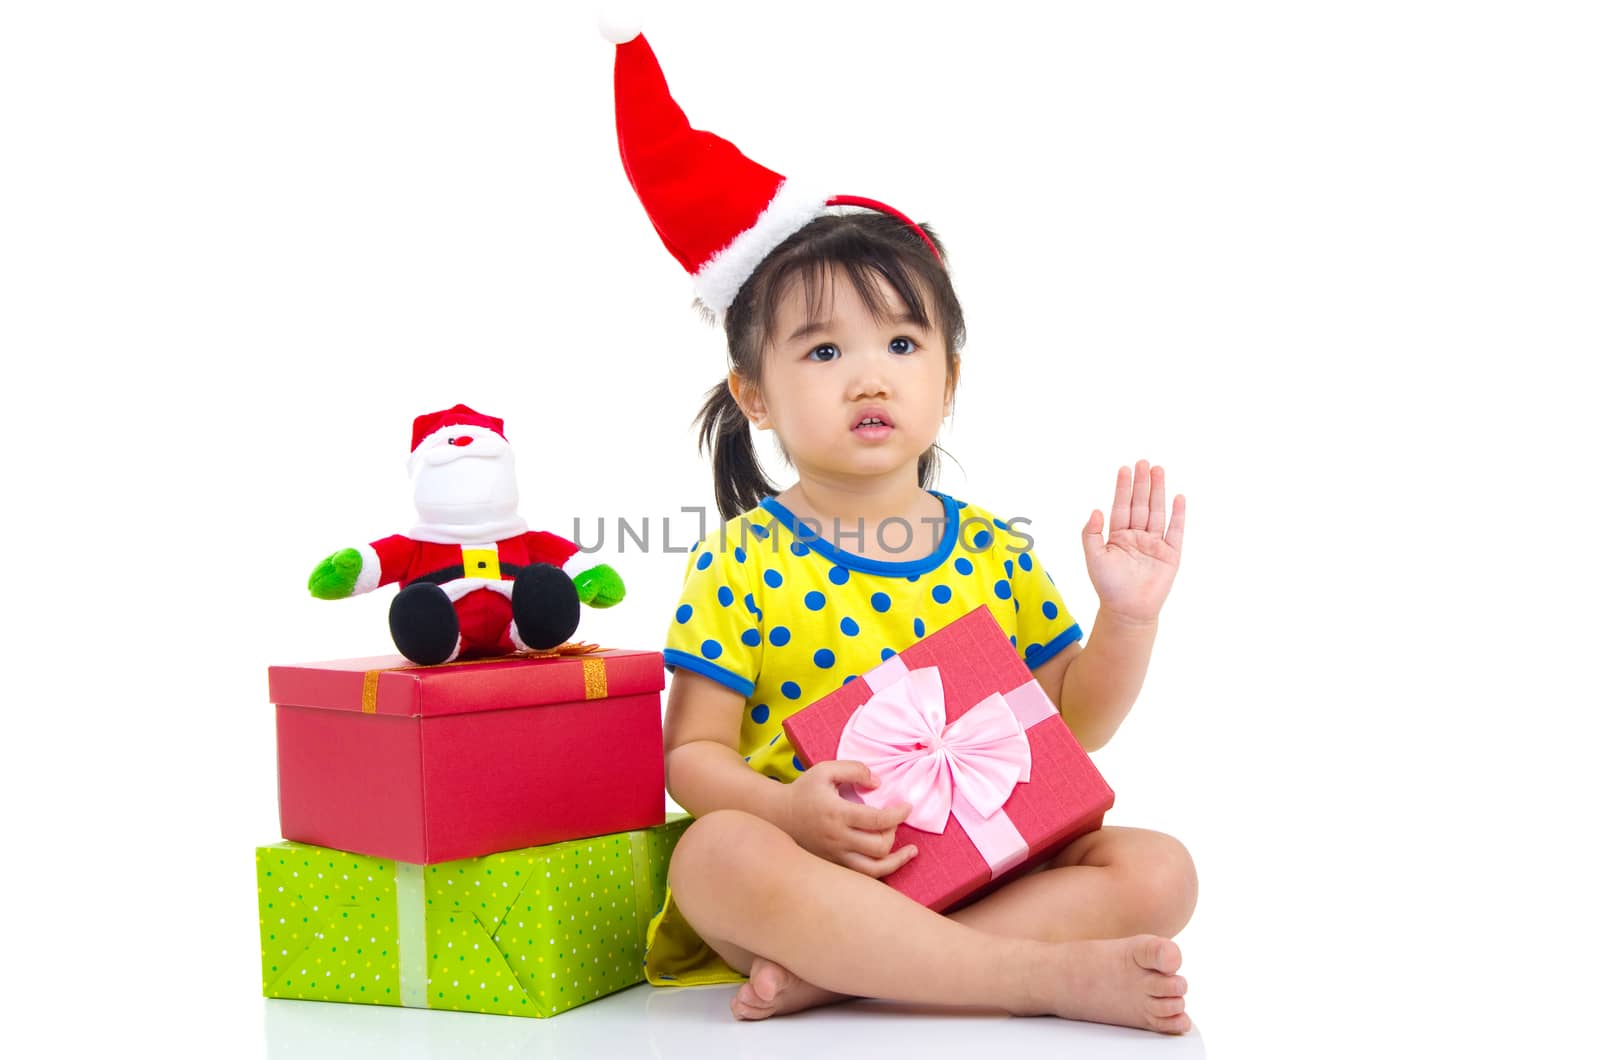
(544, 605)
(423, 623)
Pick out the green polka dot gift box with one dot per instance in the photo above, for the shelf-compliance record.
(530, 932)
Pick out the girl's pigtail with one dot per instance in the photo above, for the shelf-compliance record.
(725, 433)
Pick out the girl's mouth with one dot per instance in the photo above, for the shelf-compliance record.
(873, 427)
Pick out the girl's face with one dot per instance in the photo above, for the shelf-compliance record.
(849, 394)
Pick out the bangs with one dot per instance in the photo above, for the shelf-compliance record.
(870, 267)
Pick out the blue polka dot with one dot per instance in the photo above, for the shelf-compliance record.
(798, 767)
(1001, 524)
(684, 613)
(772, 578)
(982, 539)
(1002, 589)
(759, 713)
(750, 603)
(964, 565)
(919, 627)
(704, 561)
(1032, 650)
(1025, 561)
(1010, 570)
(790, 690)
(847, 680)
(823, 658)
(759, 530)
(724, 595)
(710, 649)
(838, 575)
(912, 577)
(848, 627)
(1013, 641)
(1050, 609)
(738, 554)
(1016, 605)
(816, 601)
(880, 602)
(887, 653)
(779, 636)
(799, 548)
(751, 637)
(941, 594)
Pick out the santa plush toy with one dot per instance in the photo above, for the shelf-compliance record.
(475, 581)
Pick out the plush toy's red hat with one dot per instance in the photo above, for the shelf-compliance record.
(718, 212)
(457, 416)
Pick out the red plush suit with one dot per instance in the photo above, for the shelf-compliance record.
(476, 578)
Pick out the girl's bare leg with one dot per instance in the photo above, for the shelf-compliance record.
(1112, 883)
(749, 889)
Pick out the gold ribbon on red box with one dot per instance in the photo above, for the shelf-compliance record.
(594, 670)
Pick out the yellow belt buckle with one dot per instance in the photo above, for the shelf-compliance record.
(481, 563)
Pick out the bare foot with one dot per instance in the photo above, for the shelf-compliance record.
(774, 990)
(1132, 982)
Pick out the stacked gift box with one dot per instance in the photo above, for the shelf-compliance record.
(485, 836)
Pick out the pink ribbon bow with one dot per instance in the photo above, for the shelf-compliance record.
(901, 735)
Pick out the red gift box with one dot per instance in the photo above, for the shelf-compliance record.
(434, 763)
(984, 841)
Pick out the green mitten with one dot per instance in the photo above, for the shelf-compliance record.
(335, 577)
(599, 586)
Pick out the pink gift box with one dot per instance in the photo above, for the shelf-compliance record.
(981, 841)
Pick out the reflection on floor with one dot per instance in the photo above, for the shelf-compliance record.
(694, 1023)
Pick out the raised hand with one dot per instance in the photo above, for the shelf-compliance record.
(1133, 565)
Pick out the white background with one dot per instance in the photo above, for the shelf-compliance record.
(1334, 265)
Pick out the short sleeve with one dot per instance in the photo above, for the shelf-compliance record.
(1044, 625)
(716, 629)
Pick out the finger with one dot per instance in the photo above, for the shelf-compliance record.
(1122, 500)
(1093, 541)
(846, 771)
(878, 867)
(872, 844)
(875, 818)
(1158, 501)
(1139, 509)
(1175, 531)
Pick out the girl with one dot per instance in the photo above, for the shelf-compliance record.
(844, 335)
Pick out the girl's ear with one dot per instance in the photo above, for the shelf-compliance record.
(748, 397)
(954, 375)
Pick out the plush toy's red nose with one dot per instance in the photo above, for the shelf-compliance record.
(465, 439)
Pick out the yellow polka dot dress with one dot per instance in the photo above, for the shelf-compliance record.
(776, 612)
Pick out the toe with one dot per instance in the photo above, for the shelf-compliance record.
(1157, 954)
(1168, 986)
(1165, 1007)
(1171, 1024)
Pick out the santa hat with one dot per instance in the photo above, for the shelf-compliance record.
(719, 213)
(424, 427)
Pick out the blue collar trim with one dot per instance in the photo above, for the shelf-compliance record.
(804, 534)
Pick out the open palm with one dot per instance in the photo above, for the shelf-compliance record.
(1133, 564)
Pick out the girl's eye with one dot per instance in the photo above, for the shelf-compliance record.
(901, 345)
(826, 352)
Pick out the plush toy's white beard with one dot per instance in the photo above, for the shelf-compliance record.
(467, 491)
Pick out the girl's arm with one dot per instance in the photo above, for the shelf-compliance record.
(1131, 568)
(705, 772)
(1094, 685)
